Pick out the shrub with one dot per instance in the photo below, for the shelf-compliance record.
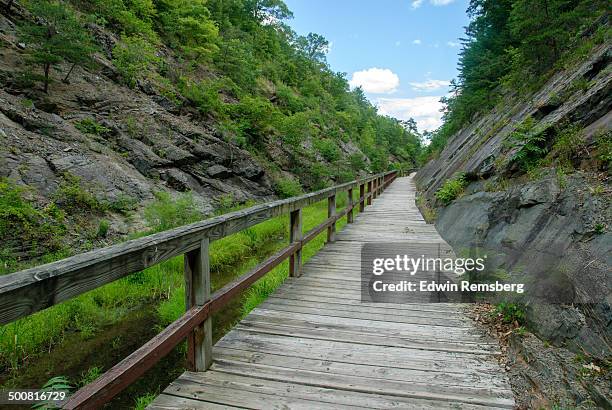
(511, 312)
(166, 212)
(286, 188)
(73, 197)
(21, 222)
(531, 145)
(328, 149)
(604, 147)
(134, 57)
(451, 189)
(569, 141)
(103, 227)
(254, 116)
(204, 95)
(90, 126)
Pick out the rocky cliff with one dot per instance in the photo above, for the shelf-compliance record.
(547, 224)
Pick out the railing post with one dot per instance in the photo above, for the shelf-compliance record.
(374, 188)
(197, 292)
(361, 197)
(349, 215)
(331, 212)
(381, 184)
(370, 192)
(295, 235)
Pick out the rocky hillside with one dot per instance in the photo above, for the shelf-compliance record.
(150, 109)
(529, 184)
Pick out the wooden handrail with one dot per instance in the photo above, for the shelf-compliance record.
(28, 291)
(23, 293)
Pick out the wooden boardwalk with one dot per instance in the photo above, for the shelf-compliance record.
(313, 344)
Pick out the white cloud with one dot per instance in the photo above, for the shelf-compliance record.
(375, 80)
(430, 85)
(417, 41)
(424, 110)
(440, 2)
(398, 43)
(416, 4)
(452, 44)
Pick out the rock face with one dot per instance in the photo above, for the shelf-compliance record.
(553, 228)
(479, 148)
(546, 237)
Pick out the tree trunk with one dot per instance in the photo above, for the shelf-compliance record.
(47, 69)
(65, 80)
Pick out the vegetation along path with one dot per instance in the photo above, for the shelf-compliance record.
(314, 344)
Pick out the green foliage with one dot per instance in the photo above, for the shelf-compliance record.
(513, 45)
(54, 384)
(511, 312)
(103, 227)
(143, 401)
(56, 36)
(90, 375)
(600, 228)
(254, 117)
(91, 126)
(73, 197)
(604, 147)
(134, 58)
(328, 149)
(568, 143)
(166, 213)
(204, 95)
(287, 187)
(188, 23)
(530, 146)
(451, 189)
(23, 223)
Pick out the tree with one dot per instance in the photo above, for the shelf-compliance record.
(188, 23)
(57, 35)
(134, 58)
(268, 9)
(314, 46)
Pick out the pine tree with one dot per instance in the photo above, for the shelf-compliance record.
(55, 36)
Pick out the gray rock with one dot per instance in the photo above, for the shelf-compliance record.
(218, 171)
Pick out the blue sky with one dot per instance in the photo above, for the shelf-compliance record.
(403, 53)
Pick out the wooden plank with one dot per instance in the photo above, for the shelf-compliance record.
(347, 336)
(170, 402)
(332, 397)
(371, 385)
(439, 361)
(223, 354)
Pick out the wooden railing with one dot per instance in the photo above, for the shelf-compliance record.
(26, 292)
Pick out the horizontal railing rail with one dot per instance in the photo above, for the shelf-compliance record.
(31, 290)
